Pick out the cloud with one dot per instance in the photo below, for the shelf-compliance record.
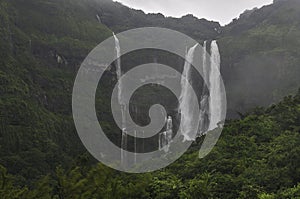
(222, 11)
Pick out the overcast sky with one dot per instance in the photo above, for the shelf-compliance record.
(222, 11)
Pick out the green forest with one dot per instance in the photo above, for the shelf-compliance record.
(44, 42)
(256, 157)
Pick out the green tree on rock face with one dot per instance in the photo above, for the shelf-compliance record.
(266, 196)
(199, 187)
(7, 189)
(249, 191)
(70, 185)
(42, 189)
(290, 193)
(165, 185)
(102, 183)
(293, 193)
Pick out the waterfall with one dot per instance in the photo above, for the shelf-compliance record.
(118, 69)
(59, 59)
(165, 138)
(210, 105)
(98, 18)
(204, 99)
(162, 141)
(124, 147)
(205, 71)
(215, 87)
(120, 99)
(135, 146)
(185, 105)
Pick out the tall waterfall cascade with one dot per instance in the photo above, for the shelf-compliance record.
(205, 97)
(210, 105)
(165, 138)
(215, 98)
(120, 99)
(185, 105)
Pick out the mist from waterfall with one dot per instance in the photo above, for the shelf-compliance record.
(185, 105)
(215, 98)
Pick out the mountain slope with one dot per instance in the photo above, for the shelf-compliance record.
(260, 55)
(43, 42)
(42, 45)
(119, 18)
(256, 157)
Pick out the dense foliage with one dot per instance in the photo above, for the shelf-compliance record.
(256, 157)
(41, 48)
(260, 55)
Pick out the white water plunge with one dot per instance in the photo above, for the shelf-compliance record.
(165, 138)
(98, 18)
(118, 69)
(204, 100)
(185, 106)
(215, 98)
(211, 103)
(121, 100)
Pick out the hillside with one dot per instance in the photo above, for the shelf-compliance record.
(256, 157)
(260, 55)
(120, 18)
(43, 43)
